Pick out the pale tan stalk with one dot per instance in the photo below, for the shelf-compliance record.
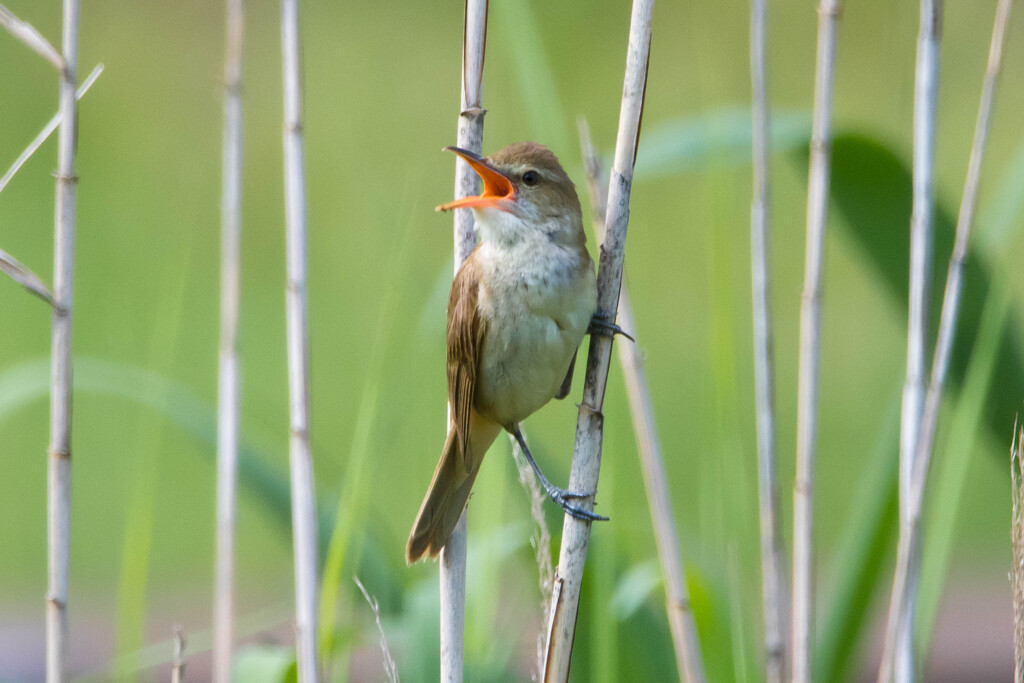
(228, 378)
(31, 38)
(469, 136)
(304, 524)
(773, 572)
(810, 344)
(900, 628)
(685, 641)
(59, 505)
(45, 133)
(178, 663)
(926, 88)
(20, 273)
(586, 462)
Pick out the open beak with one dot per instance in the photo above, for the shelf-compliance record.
(497, 188)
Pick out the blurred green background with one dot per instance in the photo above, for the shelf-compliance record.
(381, 97)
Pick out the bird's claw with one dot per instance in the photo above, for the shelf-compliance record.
(607, 329)
(562, 497)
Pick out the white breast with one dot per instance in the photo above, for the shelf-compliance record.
(537, 301)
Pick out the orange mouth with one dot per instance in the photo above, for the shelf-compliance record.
(497, 188)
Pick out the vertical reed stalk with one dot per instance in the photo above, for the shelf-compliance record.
(469, 136)
(926, 89)
(810, 343)
(685, 641)
(59, 497)
(899, 631)
(304, 526)
(586, 462)
(228, 379)
(773, 580)
(178, 662)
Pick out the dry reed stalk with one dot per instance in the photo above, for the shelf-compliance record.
(47, 130)
(31, 38)
(810, 343)
(685, 641)
(926, 87)
(304, 524)
(899, 630)
(1017, 543)
(228, 376)
(59, 485)
(20, 273)
(178, 663)
(469, 136)
(773, 572)
(586, 461)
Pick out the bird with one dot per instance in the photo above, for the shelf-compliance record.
(518, 310)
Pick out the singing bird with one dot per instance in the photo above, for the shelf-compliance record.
(518, 309)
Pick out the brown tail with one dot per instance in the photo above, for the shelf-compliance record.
(449, 490)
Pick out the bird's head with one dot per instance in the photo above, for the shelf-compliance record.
(526, 191)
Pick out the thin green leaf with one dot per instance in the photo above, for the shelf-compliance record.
(866, 544)
(722, 137)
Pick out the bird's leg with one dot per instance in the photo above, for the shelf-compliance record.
(560, 496)
(607, 329)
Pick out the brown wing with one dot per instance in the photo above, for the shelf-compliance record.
(465, 339)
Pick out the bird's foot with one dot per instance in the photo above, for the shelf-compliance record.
(607, 329)
(560, 496)
(563, 498)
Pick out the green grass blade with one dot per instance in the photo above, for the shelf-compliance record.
(516, 26)
(867, 543)
(953, 468)
(354, 503)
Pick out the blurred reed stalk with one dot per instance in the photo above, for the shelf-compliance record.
(31, 38)
(469, 136)
(900, 631)
(1017, 542)
(810, 343)
(47, 130)
(926, 90)
(59, 451)
(228, 377)
(178, 663)
(304, 524)
(586, 461)
(685, 641)
(773, 572)
(21, 274)
(59, 505)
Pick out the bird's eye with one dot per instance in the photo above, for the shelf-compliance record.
(531, 178)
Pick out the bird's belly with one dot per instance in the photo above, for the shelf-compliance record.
(523, 366)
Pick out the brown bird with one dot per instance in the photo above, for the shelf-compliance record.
(518, 309)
